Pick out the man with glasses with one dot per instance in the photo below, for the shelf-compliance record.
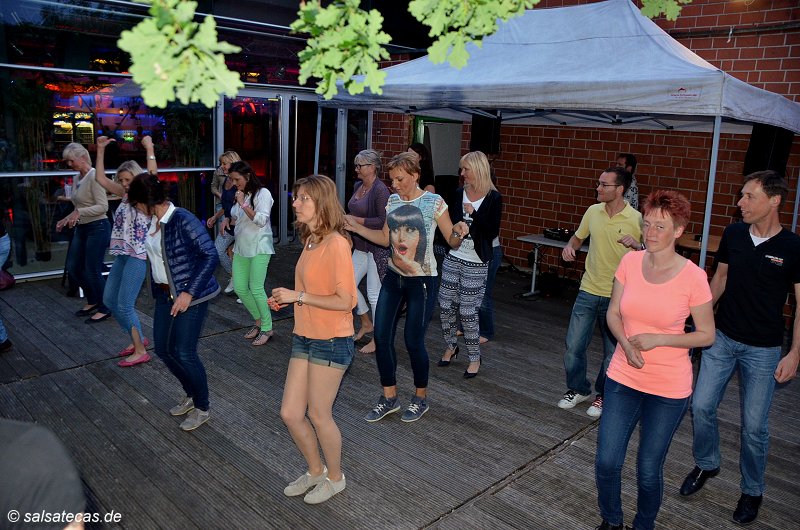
(615, 228)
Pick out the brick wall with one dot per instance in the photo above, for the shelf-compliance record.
(546, 174)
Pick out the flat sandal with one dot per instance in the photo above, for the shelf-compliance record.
(253, 333)
(262, 338)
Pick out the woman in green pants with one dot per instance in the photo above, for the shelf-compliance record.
(253, 248)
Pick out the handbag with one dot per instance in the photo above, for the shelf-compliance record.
(7, 280)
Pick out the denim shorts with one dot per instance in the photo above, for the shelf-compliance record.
(336, 352)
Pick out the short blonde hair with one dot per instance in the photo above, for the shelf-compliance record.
(129, 166)
(479, 165)
(74, 151)
(405, 161)
(229, 157)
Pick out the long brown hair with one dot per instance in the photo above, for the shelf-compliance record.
(329, 215)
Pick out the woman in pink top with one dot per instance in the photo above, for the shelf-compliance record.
(322, 347)
(649, 379)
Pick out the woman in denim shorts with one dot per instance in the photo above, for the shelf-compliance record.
(322, 347)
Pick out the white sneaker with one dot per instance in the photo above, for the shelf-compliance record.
(194, 420)
(572, 398)
(229, 288)
(324, 491)
(183, 407)
(302, 484)
(597, 407)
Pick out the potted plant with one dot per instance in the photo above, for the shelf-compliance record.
(37, 193)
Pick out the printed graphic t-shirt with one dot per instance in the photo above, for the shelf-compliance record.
(412, 225)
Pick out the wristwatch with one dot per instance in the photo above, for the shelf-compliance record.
(151, 157)
(300, 298)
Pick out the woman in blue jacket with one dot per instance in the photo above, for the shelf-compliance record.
(182, 262)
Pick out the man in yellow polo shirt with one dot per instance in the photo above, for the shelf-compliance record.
(615, 228)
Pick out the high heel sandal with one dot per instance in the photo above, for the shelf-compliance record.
(470, 375)
(443, 362)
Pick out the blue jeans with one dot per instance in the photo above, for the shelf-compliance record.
(486, 311)
(588, 310)
(417, 293)
(85, 260)
(5, 249)
(659, 417)
(122, 289)
(175, 340)
(756, 367)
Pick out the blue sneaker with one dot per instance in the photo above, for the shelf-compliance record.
(415, 410)
(385, 406)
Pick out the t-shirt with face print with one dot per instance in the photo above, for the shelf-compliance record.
(412, 225)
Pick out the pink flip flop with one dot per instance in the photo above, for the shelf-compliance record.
(130, 349)
(143, 359)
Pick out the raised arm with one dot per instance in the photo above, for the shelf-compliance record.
(149, 149)
(100, 169)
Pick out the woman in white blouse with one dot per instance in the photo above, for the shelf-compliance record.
(253, 248)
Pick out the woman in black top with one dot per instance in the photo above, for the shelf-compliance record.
(465, 269)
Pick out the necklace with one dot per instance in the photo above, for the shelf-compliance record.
(362, 191)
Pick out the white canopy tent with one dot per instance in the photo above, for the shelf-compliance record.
(600, 65)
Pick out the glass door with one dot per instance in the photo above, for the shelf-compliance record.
(283, 136)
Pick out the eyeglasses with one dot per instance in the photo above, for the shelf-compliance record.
(359, 166)
(301, 198)
(607, 185)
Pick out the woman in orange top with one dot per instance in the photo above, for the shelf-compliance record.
(322, 347)
(649, 379)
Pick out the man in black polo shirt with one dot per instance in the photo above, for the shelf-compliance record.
(758, 262)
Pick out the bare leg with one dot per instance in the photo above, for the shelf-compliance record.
(323, 384)
(293, 414)
(366, 327)
(369, 347)
(138, 346)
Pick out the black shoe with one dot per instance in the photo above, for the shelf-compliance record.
(470, 375)
(86, 312)
(747, 509)
(91, 320)
(442, 362)
(5, 346)
(696, 479)
(605, 525)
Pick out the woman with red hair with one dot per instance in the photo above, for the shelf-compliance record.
(649, 379)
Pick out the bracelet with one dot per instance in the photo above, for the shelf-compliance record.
(300, 298)
(151, 157)
(455, 235)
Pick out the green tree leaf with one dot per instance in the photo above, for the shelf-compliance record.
(346, 41)
(670, 8)
(174, 57)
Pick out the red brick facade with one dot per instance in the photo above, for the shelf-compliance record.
(547, 174)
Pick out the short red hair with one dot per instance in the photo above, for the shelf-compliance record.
(672, 203)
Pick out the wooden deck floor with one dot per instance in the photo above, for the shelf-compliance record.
(493, 452)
